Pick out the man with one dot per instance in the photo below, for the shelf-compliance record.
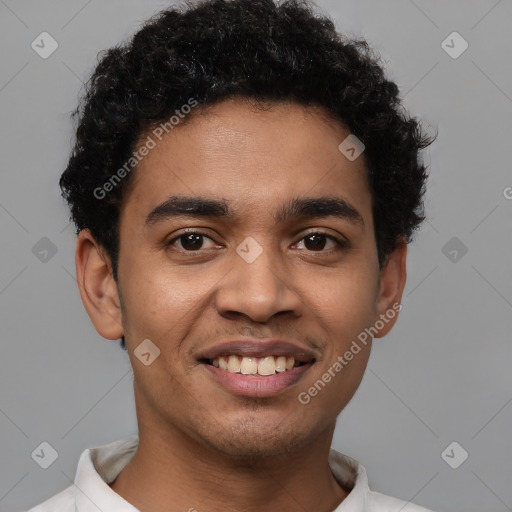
(244, 185)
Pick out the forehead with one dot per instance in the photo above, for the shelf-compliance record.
(253, 158)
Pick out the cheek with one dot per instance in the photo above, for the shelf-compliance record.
(160, 304)
(346, 299)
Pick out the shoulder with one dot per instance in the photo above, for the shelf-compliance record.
(62, 502)
(351, 474)
(378, 502)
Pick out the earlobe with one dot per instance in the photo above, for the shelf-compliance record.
(392, 283)
(97, 286)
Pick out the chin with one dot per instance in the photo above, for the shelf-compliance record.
(252, 439)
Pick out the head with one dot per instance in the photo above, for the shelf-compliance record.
(220, 125)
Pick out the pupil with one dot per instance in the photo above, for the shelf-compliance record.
(192, 240)
(316, 242)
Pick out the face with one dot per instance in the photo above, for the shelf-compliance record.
(248, 233)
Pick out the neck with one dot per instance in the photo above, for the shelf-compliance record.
(173, 472)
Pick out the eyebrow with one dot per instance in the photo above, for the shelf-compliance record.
(178, 206)
(298, 208)
(318, 207)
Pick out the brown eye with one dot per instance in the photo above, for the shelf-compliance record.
(321, 242)
(191, 241)
(315, 242)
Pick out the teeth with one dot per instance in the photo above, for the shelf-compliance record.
(254, 366)
(267, 366)
(281, 364)
(249, 366)
(234, 364)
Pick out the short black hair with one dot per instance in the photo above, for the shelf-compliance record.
(214, 50)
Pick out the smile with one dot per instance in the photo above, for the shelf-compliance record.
(256, 376)
(263, 366)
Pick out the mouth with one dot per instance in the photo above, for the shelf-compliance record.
(256, 376)
(261, 366)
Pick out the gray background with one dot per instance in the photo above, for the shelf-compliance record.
(442, 375)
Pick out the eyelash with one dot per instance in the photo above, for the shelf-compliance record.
(342, 244)
(198, 233)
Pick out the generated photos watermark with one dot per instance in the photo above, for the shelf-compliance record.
(341, 361)
(149, 144)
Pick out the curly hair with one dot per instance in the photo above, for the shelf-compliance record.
(215, 50)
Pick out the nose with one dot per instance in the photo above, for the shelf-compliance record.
(258, 290)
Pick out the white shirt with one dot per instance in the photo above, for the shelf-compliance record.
(100, 466)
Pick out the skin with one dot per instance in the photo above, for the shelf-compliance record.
(200, 446)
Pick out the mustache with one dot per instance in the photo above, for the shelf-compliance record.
(262, 333)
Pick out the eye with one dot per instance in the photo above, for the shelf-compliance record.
(317, 241)
(191, 241)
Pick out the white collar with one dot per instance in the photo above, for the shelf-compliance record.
(101, 465)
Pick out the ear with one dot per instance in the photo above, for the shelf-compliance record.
(392, 282)
(97, 286)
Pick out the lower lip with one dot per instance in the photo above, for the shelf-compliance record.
(257, 385)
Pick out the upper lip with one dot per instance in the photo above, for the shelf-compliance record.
(258, 348)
